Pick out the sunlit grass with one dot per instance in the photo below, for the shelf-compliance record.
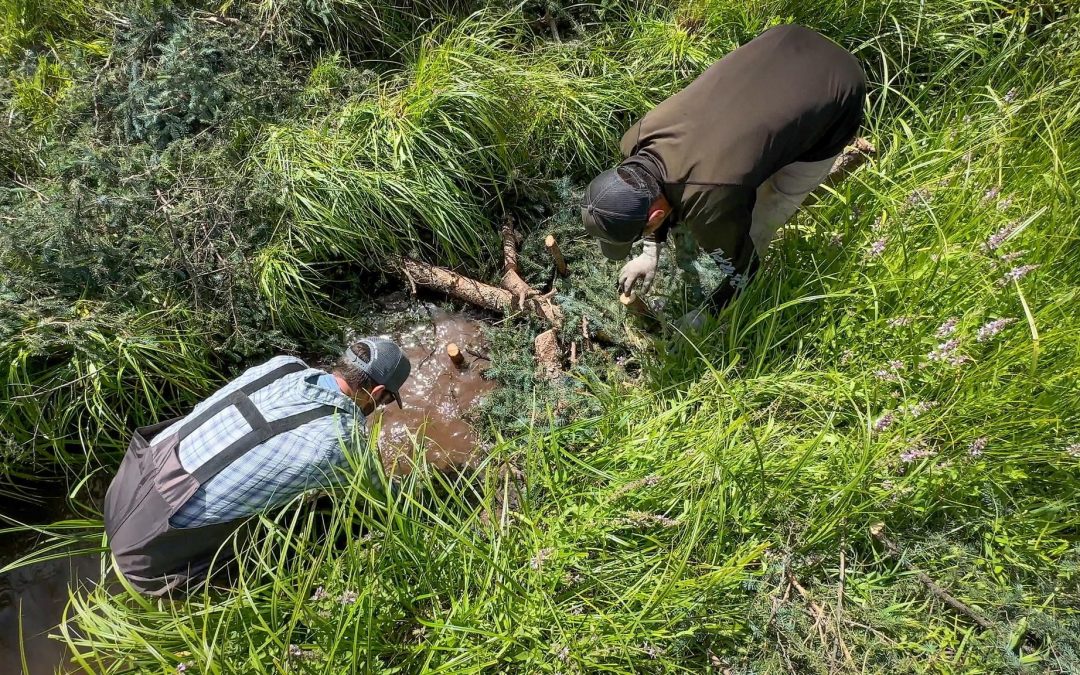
(667, 531)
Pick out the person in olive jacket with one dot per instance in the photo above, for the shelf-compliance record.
(730, 158)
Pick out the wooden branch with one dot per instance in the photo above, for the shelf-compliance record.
(877, 531)
(855, 155)
(515, 293)
(455, 354)
(511, 279)
(458, 286)
(555, 252)
(548, 354)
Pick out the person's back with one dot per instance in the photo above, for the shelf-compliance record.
(730, 158)
(276, 431)
(789, 95)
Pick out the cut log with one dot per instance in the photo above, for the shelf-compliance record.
(458, 286)
(548, 354)
(455, 355)
(555, 252)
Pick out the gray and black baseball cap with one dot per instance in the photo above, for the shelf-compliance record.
(615, 209)
(388, 365)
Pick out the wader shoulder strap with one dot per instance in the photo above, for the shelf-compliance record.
(261, 431)
(231, 400)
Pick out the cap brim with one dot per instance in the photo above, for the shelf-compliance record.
(397, 397)
(614, 251)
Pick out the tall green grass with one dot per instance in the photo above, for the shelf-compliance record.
(715, 513)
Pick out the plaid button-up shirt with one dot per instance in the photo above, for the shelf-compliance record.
(284, 466)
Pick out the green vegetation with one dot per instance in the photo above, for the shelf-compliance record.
(186, 187)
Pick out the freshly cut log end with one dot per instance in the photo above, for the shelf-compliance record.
(548, 354)
(634, 305)
(555, 252)
(455, 355)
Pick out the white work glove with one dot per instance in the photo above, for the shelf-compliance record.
(641, 268)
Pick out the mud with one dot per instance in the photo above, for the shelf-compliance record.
(437, 395)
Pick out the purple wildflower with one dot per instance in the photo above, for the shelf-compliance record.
(884, 422)
(944, 350)
(319, 594)
(920, 408)
(948, 328)
(977, 446)
(563, 653)
(1004, 204)
(836, 239)
(915, 452)
(889, 374)
(295, 651)
(899, 321)
(1009, 258)
(877, 248)
(181, 667)
(921, 195)
(1016, 274)
(348, 598)
(635, 485)
(998, 238)
(1010, 95)
(992, 328)
(991, 194)
(640, 519)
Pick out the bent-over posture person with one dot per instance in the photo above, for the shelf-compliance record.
(185, 486)
(731, 157)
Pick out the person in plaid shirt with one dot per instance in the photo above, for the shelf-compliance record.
(276, 431)
(286, 465)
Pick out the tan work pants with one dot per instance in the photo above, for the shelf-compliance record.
(780, 196)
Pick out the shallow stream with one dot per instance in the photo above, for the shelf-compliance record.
(435, 400)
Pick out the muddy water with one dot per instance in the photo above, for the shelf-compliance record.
(35, 597)
(437, 395)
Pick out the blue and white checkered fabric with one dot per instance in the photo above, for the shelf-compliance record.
(286, 465)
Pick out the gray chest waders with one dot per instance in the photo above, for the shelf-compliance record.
(152, 485)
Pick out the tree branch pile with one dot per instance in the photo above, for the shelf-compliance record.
(513, 294)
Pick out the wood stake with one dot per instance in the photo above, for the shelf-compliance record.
(636, 306)
(455, 354)
(553, 250)
(548, 354)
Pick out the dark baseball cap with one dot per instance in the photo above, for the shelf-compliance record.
(615, 210)
(387, 366)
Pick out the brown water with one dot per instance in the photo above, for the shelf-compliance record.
(436, 396)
